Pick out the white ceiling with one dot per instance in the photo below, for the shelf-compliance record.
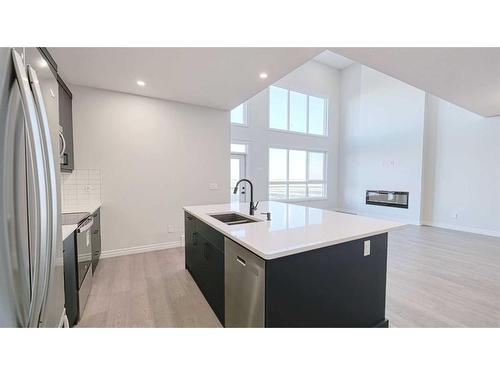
(333, 60)
(214, 77)
(467, 77)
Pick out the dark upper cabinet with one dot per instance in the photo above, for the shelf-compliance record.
(66, 127)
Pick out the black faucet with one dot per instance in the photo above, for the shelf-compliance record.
(253, 206)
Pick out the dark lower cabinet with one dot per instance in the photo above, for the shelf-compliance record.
(96, 239)
(334, 286)
(189, 241)
(70, 280)
(212, 265)
(204, 258)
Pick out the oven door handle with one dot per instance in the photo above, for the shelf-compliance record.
(87, 226)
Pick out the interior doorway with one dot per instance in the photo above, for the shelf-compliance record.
(238, 171)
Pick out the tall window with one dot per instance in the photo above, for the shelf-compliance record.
(296, 174)
(296, 112)
(239, 115)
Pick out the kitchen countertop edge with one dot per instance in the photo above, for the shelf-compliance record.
(91, 208)
(290, 251)
(67, 230)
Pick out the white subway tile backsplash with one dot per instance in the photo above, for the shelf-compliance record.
(81, 187)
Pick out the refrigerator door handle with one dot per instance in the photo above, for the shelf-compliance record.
(50, 166)
(41, 229)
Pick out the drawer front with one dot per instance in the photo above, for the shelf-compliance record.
(84, 292)
(210, 234)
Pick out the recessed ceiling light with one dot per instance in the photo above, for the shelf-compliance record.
(263, 75)
(141, 83)
(42, 63)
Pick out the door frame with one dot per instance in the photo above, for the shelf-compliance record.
(242, 158)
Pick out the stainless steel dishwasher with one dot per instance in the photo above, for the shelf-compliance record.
(244, 286)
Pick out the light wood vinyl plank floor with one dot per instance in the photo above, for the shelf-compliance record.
(146, 290)
(442, 278)
(435, 278)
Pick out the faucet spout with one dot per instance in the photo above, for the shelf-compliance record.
(253, 206)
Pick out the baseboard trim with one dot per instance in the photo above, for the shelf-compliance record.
(484, 232)
(140, 249)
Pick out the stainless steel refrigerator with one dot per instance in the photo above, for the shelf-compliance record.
(31, 254)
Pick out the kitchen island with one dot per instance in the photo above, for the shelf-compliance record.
(306, 267)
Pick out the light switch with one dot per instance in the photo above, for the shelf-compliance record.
(213, 186)
(367, 248)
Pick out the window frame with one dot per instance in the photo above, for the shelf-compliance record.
(236, 142)
(287, 130)
(245, 115)
(307, 181)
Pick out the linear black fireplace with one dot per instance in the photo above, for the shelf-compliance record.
(387, 198)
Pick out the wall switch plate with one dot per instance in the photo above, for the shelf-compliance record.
(213, 186)
(170, 228)
(367, 250)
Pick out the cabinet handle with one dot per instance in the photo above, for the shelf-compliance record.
(194, 239)
(63, 146)
(241, 261)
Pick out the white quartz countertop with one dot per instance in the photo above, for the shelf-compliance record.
(89, 207)
(67, 230)
(293, 228)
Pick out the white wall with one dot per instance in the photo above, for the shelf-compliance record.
(447, 157)
(155, 156)
(461, 169)
(382, 132)
(311, 78)
(350, 113)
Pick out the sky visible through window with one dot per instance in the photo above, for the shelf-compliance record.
(238, 115)
(297, 112)
(296, 174)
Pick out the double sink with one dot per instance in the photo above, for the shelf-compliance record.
(233, 218)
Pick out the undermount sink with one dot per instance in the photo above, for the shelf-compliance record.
(233, 218)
